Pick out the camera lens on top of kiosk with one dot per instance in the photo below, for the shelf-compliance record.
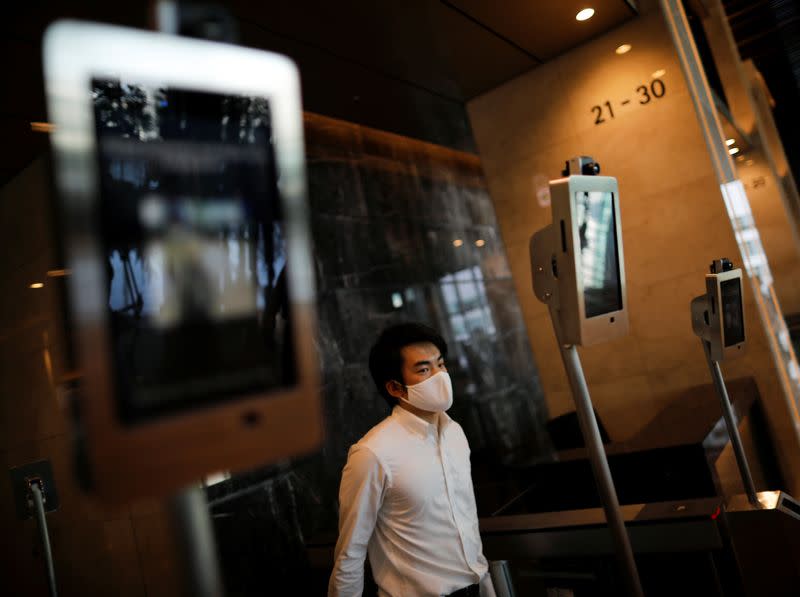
(590, 169)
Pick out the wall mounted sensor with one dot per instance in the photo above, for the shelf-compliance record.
(578, 260)
(579, 273)
(181, 180)
(718, 315)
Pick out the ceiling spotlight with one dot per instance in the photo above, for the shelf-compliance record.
(749, 163)
(659, 73)
(733, 150)
(623, 49)
(739, 158)
(730, 142)
(458, 242)
(480, 242)
(585, 14)
(37, 285)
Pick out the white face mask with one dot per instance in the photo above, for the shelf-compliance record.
(435, 394)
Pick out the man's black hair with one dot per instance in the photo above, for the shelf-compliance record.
(385, 360)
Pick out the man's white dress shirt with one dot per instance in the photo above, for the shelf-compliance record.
(406, 499)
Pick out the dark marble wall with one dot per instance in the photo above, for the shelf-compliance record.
(404, 230)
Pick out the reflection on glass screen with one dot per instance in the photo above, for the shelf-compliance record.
(193, 236)
(733, 326)
(598, 252)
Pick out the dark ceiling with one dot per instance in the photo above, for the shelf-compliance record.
(361, 60)
(379, 63)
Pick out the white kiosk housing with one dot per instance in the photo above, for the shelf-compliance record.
(579, 273)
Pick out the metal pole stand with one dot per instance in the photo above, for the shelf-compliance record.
(545, 287)
(599, 461)
(730, 422)
(35, 494)
(193, 522)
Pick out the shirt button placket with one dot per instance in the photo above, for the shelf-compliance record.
(449, 485)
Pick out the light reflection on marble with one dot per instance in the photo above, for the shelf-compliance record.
(386, 211)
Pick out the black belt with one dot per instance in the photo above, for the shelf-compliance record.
(470, 591)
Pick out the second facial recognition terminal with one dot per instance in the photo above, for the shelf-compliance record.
(181, 178)
(718, 315)
(578, 261)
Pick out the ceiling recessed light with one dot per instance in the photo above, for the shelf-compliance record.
(37, 285)
(458, 242)
(480, 242)
(749, 163)
(733, 150)
(739, 158)
(730, 142)
(659, 73)
(623, 49)
(585, 14)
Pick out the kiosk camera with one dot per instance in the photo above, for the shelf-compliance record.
(718, 320)
(180, 170)
(579, 273)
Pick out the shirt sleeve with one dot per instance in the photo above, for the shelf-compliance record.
(360, 498)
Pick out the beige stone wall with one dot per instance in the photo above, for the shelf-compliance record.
(673, 217)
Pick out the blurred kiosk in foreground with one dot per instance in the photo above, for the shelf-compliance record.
(579, 273)
(181, 175)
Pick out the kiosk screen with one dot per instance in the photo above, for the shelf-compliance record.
(192, 239)
(598, 258)
(732, 324)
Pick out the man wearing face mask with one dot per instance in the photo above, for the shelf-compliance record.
(406, 498)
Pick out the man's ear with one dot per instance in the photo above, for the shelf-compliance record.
(396, 389)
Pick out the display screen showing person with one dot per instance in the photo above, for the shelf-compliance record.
(191, 224)
(406, 499)
(599, 255)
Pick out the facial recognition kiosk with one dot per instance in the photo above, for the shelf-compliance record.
(718, 320)
(584, 280)
(180, 172)
(579, 273)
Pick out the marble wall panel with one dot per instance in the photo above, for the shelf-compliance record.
(403, 231)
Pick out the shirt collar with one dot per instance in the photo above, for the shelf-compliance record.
(420, 426)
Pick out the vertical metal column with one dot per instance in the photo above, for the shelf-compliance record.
(730, 422)
(599, 462)
(500, 573)
(190, 512)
